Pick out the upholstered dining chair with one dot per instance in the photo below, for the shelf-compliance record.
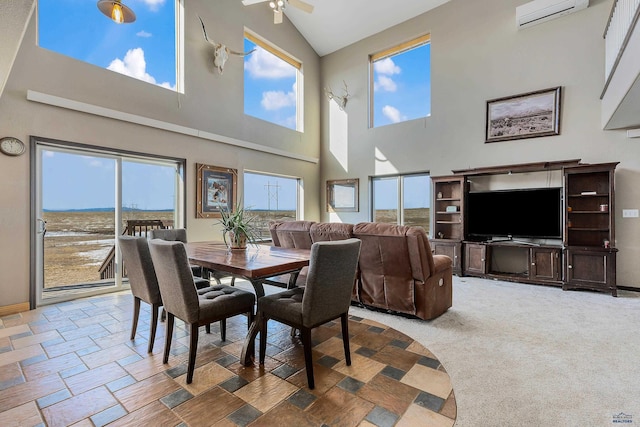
(143, 281)
(194, 307)
(200, 274)
(326, 296)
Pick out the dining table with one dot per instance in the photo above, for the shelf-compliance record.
(256, 263)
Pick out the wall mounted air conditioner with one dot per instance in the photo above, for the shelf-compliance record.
(538, 11)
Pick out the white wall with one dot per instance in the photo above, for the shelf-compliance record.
(476, 55)
(211, 103)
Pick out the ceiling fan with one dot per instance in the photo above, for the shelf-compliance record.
(279, 5)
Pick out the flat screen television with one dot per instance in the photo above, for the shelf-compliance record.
(527, 213)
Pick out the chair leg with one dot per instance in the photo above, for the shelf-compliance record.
(223, 329)
(308, 361)
(168, 336)
(233, 280)
(344, 317)
(193, 347)
(263, 336)
(207, 328)
(163, 316)
(136, 314)
(154, 325)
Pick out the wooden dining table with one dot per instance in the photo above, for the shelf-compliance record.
(255, 264)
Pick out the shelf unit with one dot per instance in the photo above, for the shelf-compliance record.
(447, 218)
(589, 229)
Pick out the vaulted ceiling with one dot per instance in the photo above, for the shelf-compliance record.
(335, 24)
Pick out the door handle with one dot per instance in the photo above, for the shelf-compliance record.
(41, 227)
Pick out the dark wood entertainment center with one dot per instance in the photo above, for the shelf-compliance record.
(585, 256)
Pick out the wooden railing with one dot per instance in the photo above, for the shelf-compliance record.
(134, 227)
(622, 21)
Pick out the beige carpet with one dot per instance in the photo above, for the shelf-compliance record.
(527, 355)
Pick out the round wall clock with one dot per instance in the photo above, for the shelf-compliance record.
(12, 146)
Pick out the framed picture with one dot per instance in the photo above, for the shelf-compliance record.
(528, 115)
(217, 188)
(342, 195)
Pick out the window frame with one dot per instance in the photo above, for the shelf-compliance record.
(388, 53)
(400, 190)
(299, 190)
(289, 59)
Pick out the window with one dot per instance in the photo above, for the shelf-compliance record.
(272, 84)
(144, 49)
(270, 197)
(400, 83)
(402, 199)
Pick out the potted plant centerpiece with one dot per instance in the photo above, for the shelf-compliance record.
(239, 228)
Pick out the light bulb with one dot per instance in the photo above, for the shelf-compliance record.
(280, 3)
(116, 13)
(272, 5)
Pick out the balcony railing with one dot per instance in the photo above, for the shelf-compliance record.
(622, 20)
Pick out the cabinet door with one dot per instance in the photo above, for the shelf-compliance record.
(590, 269)
(450, 249)
(545, 264)
(475, 261)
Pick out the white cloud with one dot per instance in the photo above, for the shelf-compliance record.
(386, 66)
(143, 33)
(134, 65)
(265, 65)
(277, 99)
(393, 114)
(385, 83)
(153, 4)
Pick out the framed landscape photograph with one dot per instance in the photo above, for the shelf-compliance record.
(342, 195)
(528, 115)
(216, 190)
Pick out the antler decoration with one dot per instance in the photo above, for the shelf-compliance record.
(221, 52)
(340, 100)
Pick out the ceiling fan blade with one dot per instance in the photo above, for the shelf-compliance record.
(250, 2)
(277, 16)
(305, 7)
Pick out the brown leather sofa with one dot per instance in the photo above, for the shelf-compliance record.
(397, 271)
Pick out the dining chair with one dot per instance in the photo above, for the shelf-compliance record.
(194, 307)
(200, 274)
(326, 296)
(143, 281)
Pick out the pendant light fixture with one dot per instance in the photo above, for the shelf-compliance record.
(117, 11)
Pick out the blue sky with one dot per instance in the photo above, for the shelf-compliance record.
(144, 49)
(72, 181)
(402, 86)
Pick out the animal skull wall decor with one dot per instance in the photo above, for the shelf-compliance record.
(221, 52)
(340, 100)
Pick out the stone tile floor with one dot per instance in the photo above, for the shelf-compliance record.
(73, 363)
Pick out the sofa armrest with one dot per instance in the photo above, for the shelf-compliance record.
(442, 263)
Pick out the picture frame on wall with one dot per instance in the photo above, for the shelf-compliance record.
(216, 190)
(528, 115)
(342, 195)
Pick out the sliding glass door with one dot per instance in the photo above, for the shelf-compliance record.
(84, 199)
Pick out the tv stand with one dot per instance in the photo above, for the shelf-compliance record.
(513, 261)
(585, 257)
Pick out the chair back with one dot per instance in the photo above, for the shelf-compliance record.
(140, 269)
(332, 270)
(170, 234)
(175, 280)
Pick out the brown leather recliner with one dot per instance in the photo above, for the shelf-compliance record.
(396, 270)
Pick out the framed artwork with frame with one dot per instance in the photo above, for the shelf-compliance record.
(342, 195)
(528, 115)
(216, 190)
